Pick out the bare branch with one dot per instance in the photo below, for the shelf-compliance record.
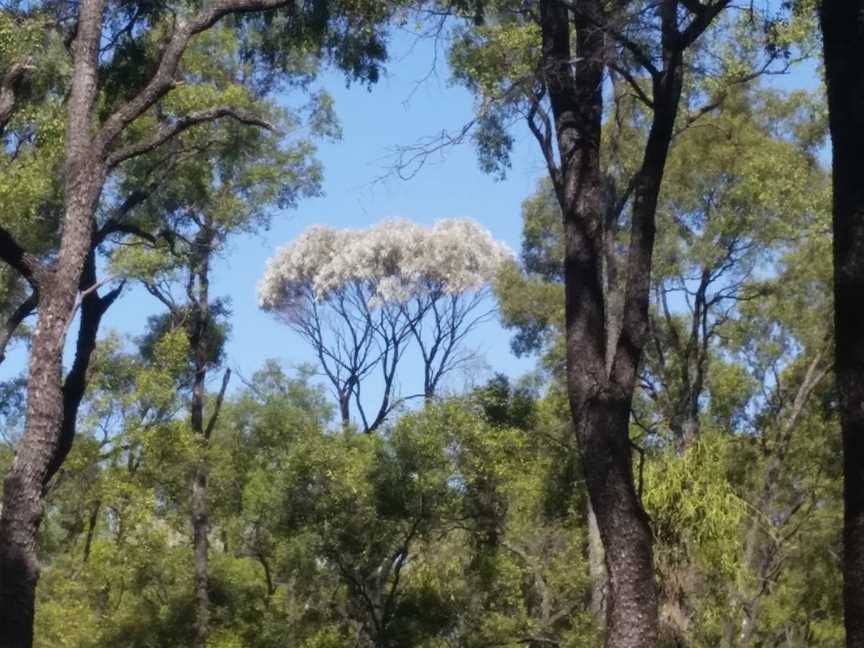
(409, 160)
(633, 83)
(218, 406)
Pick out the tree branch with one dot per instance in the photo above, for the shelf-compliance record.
(93, 307)
(218, 406)
(164, 78)
(24, 310)
(27, 265)
(113, 225)
(171, 130)
(8, 86)
(704, 16)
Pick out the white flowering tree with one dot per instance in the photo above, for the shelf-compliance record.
(364, 298)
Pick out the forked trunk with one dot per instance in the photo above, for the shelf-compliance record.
(599, 401)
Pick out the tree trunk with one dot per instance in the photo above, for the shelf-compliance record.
(345, 409)
(627, 541)
(22, 495)
(200, 529)
(596, 567)
(600, 405)
(200, 509)
(843, 37)
(37, 449)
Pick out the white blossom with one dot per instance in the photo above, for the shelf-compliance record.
(394, 261)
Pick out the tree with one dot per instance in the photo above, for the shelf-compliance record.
(252, 171)
(726, 217)
(99, 137)
(843, 38)
(549, 67)
(361, 298)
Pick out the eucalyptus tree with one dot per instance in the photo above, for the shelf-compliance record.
(843, 38)
(726, 218)
(361, 299)
(237, 176)
(126, 94)
(548, 65)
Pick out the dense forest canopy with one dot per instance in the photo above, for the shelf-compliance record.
(598, 381)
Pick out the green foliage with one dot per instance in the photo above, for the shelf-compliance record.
(695, 509)
(446, 510)
(463, 521)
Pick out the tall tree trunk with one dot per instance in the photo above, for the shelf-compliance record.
(200, 299)
(37, 451)
(600, 405)
(200, 529)
(843, 37)
(22, 495)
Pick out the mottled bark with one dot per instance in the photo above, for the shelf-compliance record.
(843, 37)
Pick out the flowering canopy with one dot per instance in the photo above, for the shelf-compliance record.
(395, 260)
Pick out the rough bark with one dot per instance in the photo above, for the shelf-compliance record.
(600, 407)
(88, 162)
(22, 495)
(843, 37)
(596, 567)
(606, 332)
